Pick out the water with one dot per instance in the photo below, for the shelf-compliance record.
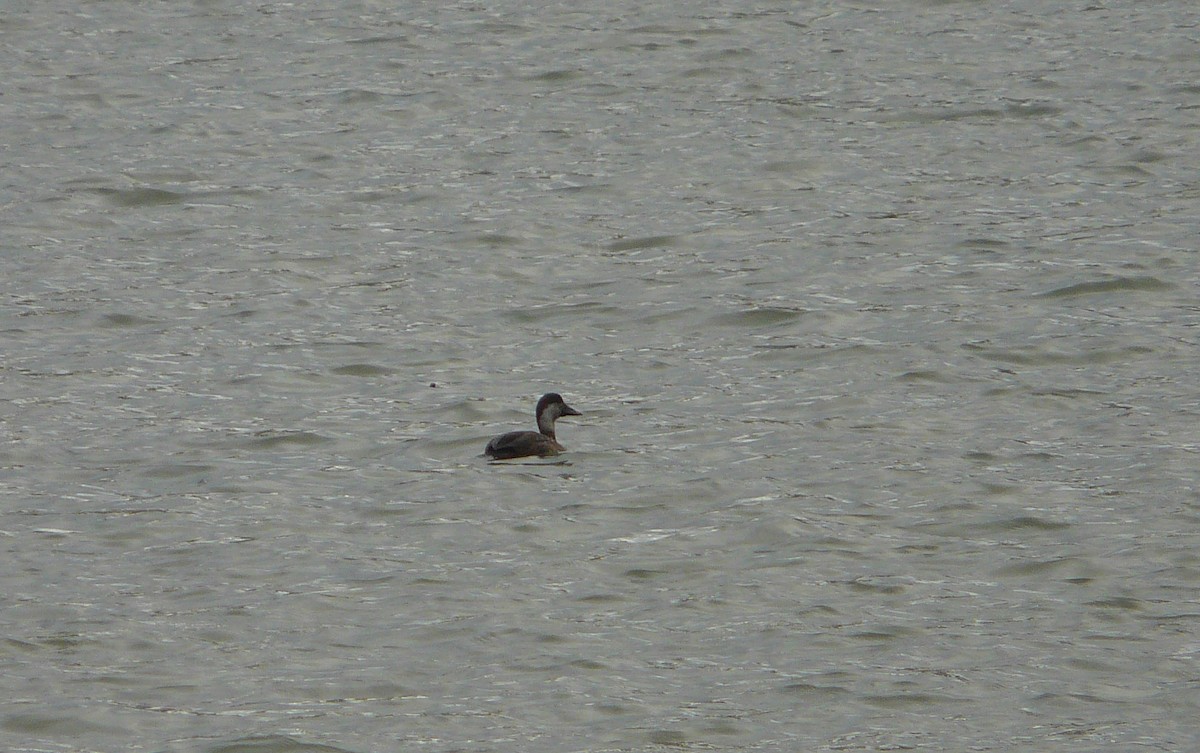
(883, 322)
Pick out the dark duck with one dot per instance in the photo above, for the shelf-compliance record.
(523, 444)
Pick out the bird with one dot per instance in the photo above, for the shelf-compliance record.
(523, 444)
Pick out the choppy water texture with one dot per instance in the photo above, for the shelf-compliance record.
(883, 319)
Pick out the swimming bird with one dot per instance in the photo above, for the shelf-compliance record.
(522, 444)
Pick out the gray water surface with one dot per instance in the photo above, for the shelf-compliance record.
(883, 320)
